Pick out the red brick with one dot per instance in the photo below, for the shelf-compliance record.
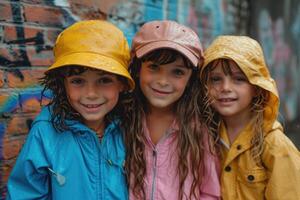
(5, 11)
(31, 77)
(40, 58)
(19, 125)
(85, 12)
(37, 55)
(6, 169)
(12, 55)
(92, 4)
(1, 79)
(44, 15)
(6, 54)
(10, 33)
(11, 147)
(85, 3)
(52, 35)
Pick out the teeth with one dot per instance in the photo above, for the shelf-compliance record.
(92, 106)
(226, 100)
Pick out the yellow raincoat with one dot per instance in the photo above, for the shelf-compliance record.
(241, 177)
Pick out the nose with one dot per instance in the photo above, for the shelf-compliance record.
(162, 79)
(226, 86)
(91, 91)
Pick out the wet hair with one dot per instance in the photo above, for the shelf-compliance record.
(54, 80)
(190, 138)
(213, 119)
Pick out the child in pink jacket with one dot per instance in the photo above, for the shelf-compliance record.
(169, 151)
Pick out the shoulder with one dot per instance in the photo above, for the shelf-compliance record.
(277, 146)
(43, 132)
(42, 122)
(276, 138)
(43, 118)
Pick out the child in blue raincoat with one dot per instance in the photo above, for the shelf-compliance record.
(75, 147)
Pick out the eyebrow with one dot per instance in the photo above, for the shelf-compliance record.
(238, 73)
(217, 73)
(182, 66)
(101, 73)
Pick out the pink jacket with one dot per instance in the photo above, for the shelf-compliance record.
(162, 181)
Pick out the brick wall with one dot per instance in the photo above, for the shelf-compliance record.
(28, 29)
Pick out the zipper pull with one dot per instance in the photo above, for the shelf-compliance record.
(109, 162)
(61, 180)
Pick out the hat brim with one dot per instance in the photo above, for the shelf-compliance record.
(95, 61)
(168, 45)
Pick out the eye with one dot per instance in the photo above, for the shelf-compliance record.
(215, 79)
(240, 79)
(76, 81)
(179, 72)
(153, 67)
(105, 80)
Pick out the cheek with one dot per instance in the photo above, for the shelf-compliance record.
(112, 94)
(212, 94)
(144, 81)
(72, 94)
(145, 78)
(182, 83)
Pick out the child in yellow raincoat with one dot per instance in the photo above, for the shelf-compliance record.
(258, 160)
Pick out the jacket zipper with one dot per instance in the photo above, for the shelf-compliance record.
(154, 154)
(99, 184)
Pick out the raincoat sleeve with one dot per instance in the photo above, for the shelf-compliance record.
(29, 178)
(282, 160)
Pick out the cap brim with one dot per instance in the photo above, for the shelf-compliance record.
(168, 45)
(95, 61)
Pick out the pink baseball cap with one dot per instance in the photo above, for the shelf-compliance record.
(167, 34)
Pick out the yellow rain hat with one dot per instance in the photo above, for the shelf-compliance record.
(96, 44)
(248, 55)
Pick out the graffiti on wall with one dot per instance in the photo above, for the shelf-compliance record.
(282, 59)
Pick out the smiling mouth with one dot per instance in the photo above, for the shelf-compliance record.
(224, 100)
(160, 92)
(90, 106)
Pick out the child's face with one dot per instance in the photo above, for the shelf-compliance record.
(93, 94)
(164, 84)
(231, 92)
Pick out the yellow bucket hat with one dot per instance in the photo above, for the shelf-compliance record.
(248, 55)
(96, 44)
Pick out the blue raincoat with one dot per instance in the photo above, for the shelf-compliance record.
(69, 165)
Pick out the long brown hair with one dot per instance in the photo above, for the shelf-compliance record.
(213, 119)
(190, 138)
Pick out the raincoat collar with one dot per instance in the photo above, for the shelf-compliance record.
(75, 126)
(239, 145)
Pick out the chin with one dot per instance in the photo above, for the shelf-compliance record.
(94, 118)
